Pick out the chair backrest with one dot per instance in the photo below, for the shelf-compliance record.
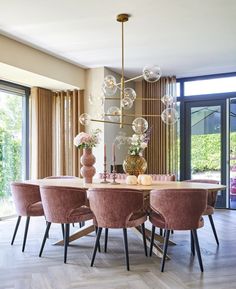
(181, 208)
(113, 208)
(164, 178)
(58, 202)
(24, 195)
(61, 177)
(212, 196)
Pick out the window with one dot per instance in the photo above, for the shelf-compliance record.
(13, 141)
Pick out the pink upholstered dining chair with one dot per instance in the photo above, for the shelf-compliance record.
(61, 177)
(163, 178)
(180, 209)
(211, 201)
(64, 205)
(28, 203)
(117, 208)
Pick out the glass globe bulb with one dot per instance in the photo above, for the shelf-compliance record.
(114, 113)
(139, 125)
(167, 100)
(109, 91)
(151, 73)
(85, 119)
(126, 103)
(130, 93)
(169, 116)
(109, 81)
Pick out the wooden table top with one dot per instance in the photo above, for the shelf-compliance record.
(78, 183)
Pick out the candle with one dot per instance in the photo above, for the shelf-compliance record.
(105, 153)
(113, 153)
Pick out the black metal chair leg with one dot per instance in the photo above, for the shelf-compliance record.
(166, 241)
(192, 244)
(144, 239)
(44, 238)
(195, 237)
(213, 229)
(81, 224)
(152, 239)
(26, 232)
(126, 248)
(106, 237)
(46, 227)
(99, 247)
(161, 232)
(16, 229)
(66, 240)
(63, 230)
(99, 231)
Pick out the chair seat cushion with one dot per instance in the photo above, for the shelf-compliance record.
(209, 210)
(80, 214)
(137, 218)
(35, 209)
(158, 221)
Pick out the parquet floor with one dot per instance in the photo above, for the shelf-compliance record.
(26, 270)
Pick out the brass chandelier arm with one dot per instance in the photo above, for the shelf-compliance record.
(131, 114)
(130, 79)
(137, 98)
(112, 122)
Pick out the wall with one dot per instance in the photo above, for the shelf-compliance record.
(24, 57)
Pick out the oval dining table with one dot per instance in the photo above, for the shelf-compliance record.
(145, 190)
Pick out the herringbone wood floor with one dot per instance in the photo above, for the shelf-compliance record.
(26, 270)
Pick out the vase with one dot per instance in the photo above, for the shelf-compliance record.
(134, 165)
(87, 170)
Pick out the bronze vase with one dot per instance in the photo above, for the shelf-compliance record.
(134, 165)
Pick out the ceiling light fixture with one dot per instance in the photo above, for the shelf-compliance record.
(127, 96)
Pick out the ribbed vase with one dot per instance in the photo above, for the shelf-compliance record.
(88, 170)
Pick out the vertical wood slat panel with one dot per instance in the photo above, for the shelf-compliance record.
(161, 151)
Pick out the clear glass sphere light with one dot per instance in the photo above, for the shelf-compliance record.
(85, 119)
(139, 125)
(130, 93)
(169, 116)
(127, 103)
(167, 100)
(109, 91)
(151, 73)
(114, 113)
(109, 81)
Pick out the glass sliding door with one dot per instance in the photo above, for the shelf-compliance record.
(13, 142)
(205, 142)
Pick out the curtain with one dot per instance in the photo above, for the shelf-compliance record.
(54, 124)
(161, 154)
(67, 108)
(41, 103)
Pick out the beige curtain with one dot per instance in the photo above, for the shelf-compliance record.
(161, 154)
(54, 124)
(67, 108)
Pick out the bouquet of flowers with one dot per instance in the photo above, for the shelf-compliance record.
(85, 140)
(137, 144)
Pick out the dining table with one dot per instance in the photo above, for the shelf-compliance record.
(143, 189)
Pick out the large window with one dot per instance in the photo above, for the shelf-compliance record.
(207, 131)
(13, 141)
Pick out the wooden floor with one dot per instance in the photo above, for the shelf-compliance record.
(26, 270)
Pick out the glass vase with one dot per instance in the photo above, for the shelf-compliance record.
(134, 165)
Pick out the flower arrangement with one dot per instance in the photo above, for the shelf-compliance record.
(137, 144)
(85, 140)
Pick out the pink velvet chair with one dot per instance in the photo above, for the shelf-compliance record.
(117, 208)
(64, 205)
(211, 201)
(28, 203)
(61, 177)
(177, 210)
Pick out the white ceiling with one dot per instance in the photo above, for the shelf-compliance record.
(184, 37)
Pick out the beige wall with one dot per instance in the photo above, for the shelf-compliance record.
(21, 56)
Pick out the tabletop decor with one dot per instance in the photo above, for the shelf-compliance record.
(114, 165)
(87, 142)
(135, 163)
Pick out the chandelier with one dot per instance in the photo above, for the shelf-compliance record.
(127, 96)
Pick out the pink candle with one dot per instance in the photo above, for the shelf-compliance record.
(113, 153)
(105, 153)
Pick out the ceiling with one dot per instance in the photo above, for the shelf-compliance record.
(184, 37)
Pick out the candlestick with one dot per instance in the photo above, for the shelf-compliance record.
(113, 153)
(105, 167)
(114, 167)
